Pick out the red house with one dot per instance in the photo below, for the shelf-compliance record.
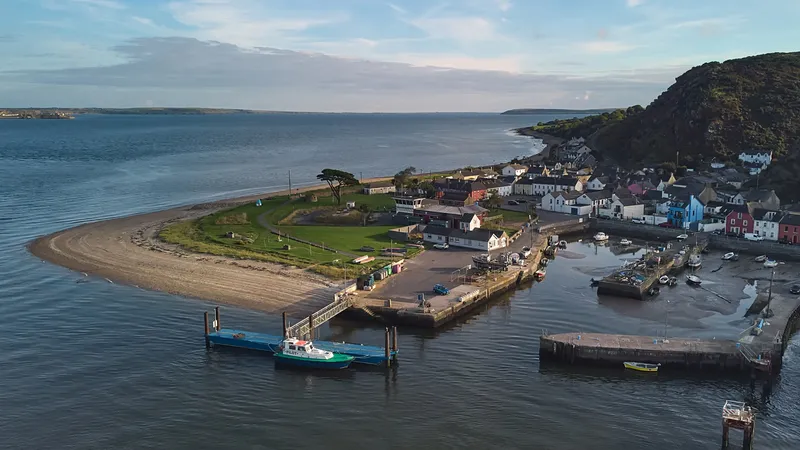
(475, 190)
(789, 228)
(740, 220)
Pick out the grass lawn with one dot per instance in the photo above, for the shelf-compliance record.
(510, 217)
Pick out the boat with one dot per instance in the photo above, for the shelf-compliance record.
(294, 352)
(653, 291)
(673, 281)
(728, 256)
(600, 237)
(642, 367)
(625, 242)
(526, 252)
(681, 237)
(761, 258)
(544, 262)
(594, 282)
(539, 274)
(562, 244)
(694, 262)
(663, 280)
(693, 280)
(770, 263)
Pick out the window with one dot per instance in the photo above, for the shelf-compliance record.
(292, 347)
(785, 229)
(739, 216)
(439, 238)
(301, 348)
(744, 223)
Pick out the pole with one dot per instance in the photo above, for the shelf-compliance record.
(386, 349)
(361, 177)
(290, 184)
(205, 331)
(311, 327)
(394, 341)
(217, 324)
(283, 316)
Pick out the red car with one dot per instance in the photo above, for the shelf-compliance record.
(666, 225)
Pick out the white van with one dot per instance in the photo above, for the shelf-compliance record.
(638, 220)
(753, 237)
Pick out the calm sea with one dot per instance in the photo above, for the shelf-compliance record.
(98, 366)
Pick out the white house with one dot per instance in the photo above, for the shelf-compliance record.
(625, 208)
(766, 223)
(479, 238)
(381, 187)
(514, 170)
(557, 201)
(407, 205)
(596, 183)
(545, 185)
(596, 200)
(523, 187)
(498, 187)
(469, 222)
(764, 158)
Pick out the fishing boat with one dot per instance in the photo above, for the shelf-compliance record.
(761, 258)
(294, 352)
(653, 291)
(642, 367)
(694, 262)
(600, 237)
(544, 262)
(539, 274)
(625, 241)
(663, 280)
(562, 244)
(770, 263)
(728, 256)
(693, 280)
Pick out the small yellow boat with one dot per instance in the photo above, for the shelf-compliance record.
(642, 367)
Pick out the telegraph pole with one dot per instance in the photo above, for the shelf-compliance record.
(290, 184)
(768, 313)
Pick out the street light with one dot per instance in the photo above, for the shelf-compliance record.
(768, 311)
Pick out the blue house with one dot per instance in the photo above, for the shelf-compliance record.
(682, 213)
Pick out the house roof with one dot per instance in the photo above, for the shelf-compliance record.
(493, 183)
(571, 195)
(456, 184)
(760, 213)
(744, 209)
(601, 179)
(436, 208)
(653, 194)
(758, 195)
(467, 217)
(622, 192)
(526, 181)
(379, 184)
(628, 201)
(516, 166)
(791, 219)
(478, 234)
(597, 195)
(508, 180)
(456, 196)
(556, 181)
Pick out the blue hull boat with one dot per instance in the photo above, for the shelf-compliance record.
(306, 363)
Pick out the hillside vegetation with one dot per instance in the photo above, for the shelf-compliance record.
(715, 110)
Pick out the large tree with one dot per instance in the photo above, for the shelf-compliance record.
(336, 179)
(493, 201)
(401, 178)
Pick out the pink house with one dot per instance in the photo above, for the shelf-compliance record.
(636, 189)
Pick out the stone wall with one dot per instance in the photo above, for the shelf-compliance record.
(578, 225)
(623, 228)
(772, 249)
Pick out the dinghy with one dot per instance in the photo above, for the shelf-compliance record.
(770, 263)
(761, 258)
(600, 237)
(728, 256)
(642, 367)
(625, 241)
(693, 280)
(663, 280)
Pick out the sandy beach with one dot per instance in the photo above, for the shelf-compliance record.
(548, 140)
(127, 250)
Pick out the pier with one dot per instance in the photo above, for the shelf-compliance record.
(634, 281)
(739, 416)
(215, 335)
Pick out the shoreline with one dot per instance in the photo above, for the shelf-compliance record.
(127, 250)
(549, 141)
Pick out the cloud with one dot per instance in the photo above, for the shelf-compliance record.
(595, 47)
(634, 3)
(184, 71)
(504, 5)
(110, 4)
(396, 8)
(143, 20)
(461, 29)
(7, 38)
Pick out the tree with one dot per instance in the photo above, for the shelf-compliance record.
(366, 212)
(401, 178)
(493, 201)
(336, 179)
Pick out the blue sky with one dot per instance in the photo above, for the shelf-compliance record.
(371, 55)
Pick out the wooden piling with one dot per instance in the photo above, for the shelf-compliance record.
(217, 324)
(283, 315)
(205, 331)
(386, 349)
(394, 342)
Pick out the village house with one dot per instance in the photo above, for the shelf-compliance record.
(623, 206)
(687, 186)
(478, 239)
(514, 170)
(469, 222)
(740, 220)
(565, 202)
(766, 197)
(537, 171)
(767, 223)
(456, 199)
(596, 183)
(545, 185)
(597, 200)
(472, 174)
(789, 228)
(499, 187)
(764, 158)
(683, 213)
(523, 187)
(410, 210)
(475, 189)
(381, 187)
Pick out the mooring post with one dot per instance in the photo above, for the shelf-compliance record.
(205, 331)
(386, 349)
(394, 341)
(725, 430)
(747, 440)
(283, 314)
(311, 327)
(217, 325)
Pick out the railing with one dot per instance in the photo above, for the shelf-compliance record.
(325, 314)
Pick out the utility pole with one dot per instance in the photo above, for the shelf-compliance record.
(768, 312)
(290, 184)
(666, 321)
(361, 177)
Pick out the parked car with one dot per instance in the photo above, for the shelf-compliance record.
(604, 216)
(718, 232)
(638, 220)
(442, 246)
(513, 202)
(753, 237)
(440, 289)
(522, 201)
(795, 289)
(666, 225)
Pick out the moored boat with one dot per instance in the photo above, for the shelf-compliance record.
(761, 258)
(539, 274)
(770, 263)
(653, 291)
(673, 281)
(294, 352)
(642, 367)
(694, 261)
(663, 280)
(693, 280)
(728, 256)
(600, 237)
(562, 244)
(625, 241)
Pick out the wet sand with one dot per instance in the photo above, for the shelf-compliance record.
(127, 250)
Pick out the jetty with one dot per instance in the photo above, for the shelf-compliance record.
(758, 350)
(215, 335)
(635, 279)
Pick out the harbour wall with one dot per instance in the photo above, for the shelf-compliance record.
(773, 249)
(635, 230)
(578, 225)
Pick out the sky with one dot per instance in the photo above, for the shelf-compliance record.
(372, 55)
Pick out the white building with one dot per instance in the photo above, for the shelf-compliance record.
(764, 158)
(479, 238)
(514, 170)
(546, 185)
(469, 222)
(596, 184)
(407, 205)
(624, 208)
(498, 187)
(596, 200)
(766, 223)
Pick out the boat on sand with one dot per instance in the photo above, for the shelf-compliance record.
(693, 280)
(600, 237)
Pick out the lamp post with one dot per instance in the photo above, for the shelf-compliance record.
(768, 311)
